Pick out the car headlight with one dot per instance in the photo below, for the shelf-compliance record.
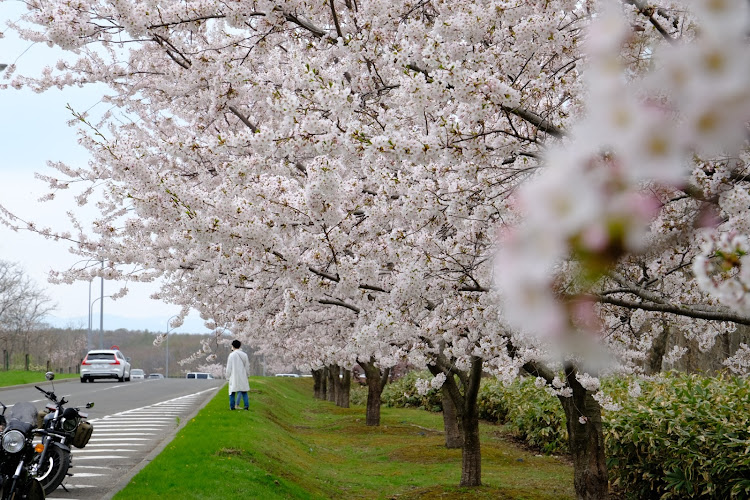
(13, 441)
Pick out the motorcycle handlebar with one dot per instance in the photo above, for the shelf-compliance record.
(50, 395)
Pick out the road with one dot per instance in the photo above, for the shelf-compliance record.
(132, 421)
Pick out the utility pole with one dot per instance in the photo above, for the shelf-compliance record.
(101, 311)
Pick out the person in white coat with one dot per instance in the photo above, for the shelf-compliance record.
(238, 368)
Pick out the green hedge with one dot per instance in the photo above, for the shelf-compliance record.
(685, 436)
(402, 393)
(529, 413)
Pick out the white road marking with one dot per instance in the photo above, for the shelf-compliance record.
(106, 444)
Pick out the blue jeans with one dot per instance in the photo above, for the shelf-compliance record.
(244, 398)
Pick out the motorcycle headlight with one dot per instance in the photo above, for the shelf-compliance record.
(69, 424)
(13, 441)
(69, 420)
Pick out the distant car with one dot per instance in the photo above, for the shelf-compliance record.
(199, 375)
(105, 363)
(137, 373)
(287, 375)
(155, 375)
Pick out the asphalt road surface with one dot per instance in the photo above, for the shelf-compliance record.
(132, 422)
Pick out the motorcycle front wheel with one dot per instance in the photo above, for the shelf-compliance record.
(52, 473)
(34, 491)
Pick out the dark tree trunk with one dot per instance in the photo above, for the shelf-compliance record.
(471, 470)
(333, 374)
(586, 441)
(466, 407)
(658, 349)
(585, 438)
(324, 383)
(319, 384)
(376, 382)
(451, 423)
(343, 390)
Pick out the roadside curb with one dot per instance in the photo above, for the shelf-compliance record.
(137, 468)
(32, 384)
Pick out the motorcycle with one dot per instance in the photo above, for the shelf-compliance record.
(18, 453)
(62, 428)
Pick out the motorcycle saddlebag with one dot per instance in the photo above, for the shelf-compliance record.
(83, 434)
(40, 418)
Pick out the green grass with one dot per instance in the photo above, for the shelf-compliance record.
(292, 446)
(17, 377)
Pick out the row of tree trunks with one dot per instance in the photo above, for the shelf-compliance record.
(461, 417)
(377, 379)
(333, 383)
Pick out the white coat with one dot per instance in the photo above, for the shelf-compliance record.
(238, 368)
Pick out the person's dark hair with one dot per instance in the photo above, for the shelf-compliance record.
(236, 344)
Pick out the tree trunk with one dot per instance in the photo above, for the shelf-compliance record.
(319, 383)
(471, 456)
(471, 463)
(344, 388)
(586, 440)
(376, 381)
(451, 423)
(658, 349)
(333, 374)
(323, 383)
(466, 407)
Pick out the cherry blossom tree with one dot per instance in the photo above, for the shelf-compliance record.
(334, 178)
(656, 165)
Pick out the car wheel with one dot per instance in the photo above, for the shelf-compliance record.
(120, 379)
(83, 380)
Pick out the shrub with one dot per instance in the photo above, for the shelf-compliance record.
(685, 437)
(403, 393)
(492, 401)
(358, 395)
(536, 416)
(529, 413)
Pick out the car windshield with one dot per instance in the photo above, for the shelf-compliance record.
(100, 356)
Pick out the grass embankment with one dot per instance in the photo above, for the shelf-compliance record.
(18, 377)
(290, 445)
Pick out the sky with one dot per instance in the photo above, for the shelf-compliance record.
(33, 131)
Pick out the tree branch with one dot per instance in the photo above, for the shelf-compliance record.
(244, 120)
(339, 303)
(541, 123)
(649, 13)
(336, 20)
(679, 310)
